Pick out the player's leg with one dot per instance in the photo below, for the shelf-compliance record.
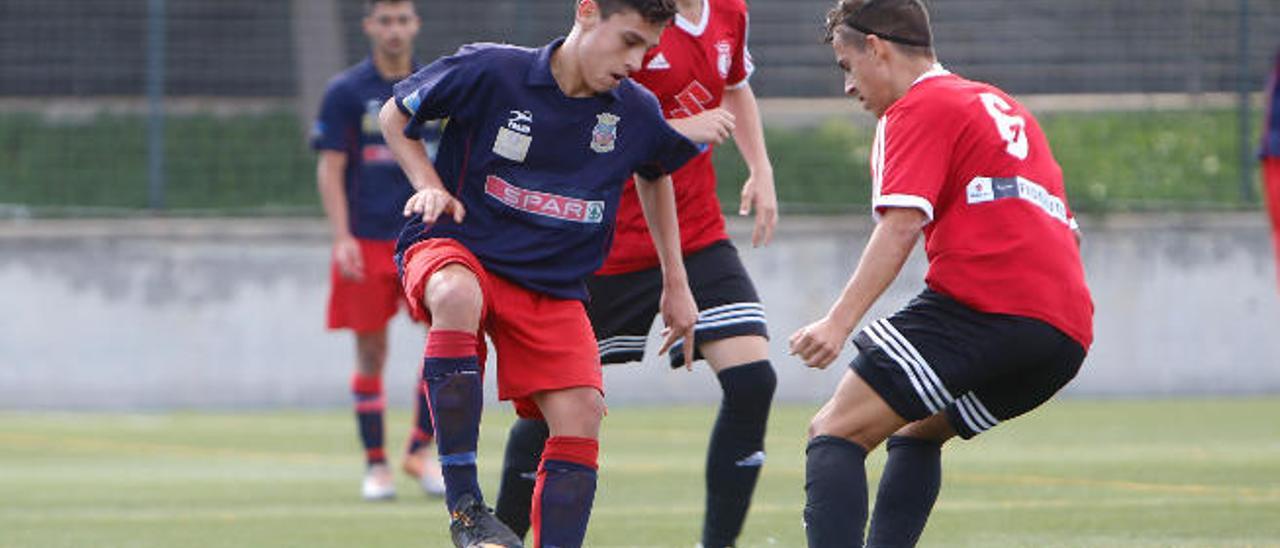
(370, 406)
(549, 366)
(451, 370)
(736, 451)
(525, 441)
(621, 311)
(910, 482)
(852, 423)
(365, 306)
(565, 489)
(731, 335)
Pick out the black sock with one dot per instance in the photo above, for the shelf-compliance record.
(835, 486)
(520, 472)
(736, 452)
(907, 491)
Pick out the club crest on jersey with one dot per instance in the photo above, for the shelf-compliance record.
(369, 122)
(605, 134)
(724, 57)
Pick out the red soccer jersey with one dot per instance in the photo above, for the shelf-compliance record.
(689, 70)
(1000, 233)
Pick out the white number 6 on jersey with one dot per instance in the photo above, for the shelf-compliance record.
(1012, 128)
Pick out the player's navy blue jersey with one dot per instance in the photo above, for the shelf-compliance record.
(1271, 125)
(376, 188)
(539, 173)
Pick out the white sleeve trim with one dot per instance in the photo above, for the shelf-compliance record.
(902, 200)
(1071, 222)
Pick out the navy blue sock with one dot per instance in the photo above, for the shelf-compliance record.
(908, 488)
(835, 485)
(370, 405)
(520, 473)
(736, 451)
(451, 371)
(565, 492)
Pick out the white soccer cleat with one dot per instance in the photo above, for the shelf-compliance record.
(426, 471)
(378, 483)
(432, 479)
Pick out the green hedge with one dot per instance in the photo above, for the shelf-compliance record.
(260, 163)
(1110, 161)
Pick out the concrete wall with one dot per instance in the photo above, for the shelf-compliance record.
(180, 313)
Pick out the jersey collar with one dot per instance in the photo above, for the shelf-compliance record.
(695, 29)
(540, 73)
(935, 71)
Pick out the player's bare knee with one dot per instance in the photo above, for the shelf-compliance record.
(454, 298)
(573, 412)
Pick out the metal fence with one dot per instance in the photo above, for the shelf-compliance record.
(201, 105)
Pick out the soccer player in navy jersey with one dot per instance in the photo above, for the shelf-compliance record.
(516, 212)
(1006, 318)
(700, 73)
(363, 191)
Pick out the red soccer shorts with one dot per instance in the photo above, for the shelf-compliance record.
(543, 343)
(367, 304)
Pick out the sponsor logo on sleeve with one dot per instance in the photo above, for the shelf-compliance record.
(988, 189)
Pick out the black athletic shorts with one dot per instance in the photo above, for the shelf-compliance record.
(623, 306)
(940, 355)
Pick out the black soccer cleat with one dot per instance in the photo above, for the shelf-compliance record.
(473, 525)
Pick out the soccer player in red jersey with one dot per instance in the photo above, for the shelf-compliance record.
(1006, 318)
(1270, 154)
(700, 73)
(506, 226)
(363, 190)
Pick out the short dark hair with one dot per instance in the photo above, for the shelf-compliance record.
(905, 23)
(653, 11)
(369, 4)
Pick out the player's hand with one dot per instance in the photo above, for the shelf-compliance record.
(819, 343)
(758, 194)
(431, 203)
(707, 127)
(346, 254)
(679, 314)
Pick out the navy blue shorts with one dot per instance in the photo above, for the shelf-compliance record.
(623, 306)
(938, 355)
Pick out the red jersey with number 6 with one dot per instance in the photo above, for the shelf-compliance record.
(1000, 234)
(689, 71)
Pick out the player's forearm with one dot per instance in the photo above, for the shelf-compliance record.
(748, 132)
(658, 200)
(333, 195)
(890, 245)
(409, 153)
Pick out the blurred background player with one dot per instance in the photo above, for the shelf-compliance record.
(363, 192)
(536, 154)
(1270, 154)
(1006, 318)
(699, 72)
